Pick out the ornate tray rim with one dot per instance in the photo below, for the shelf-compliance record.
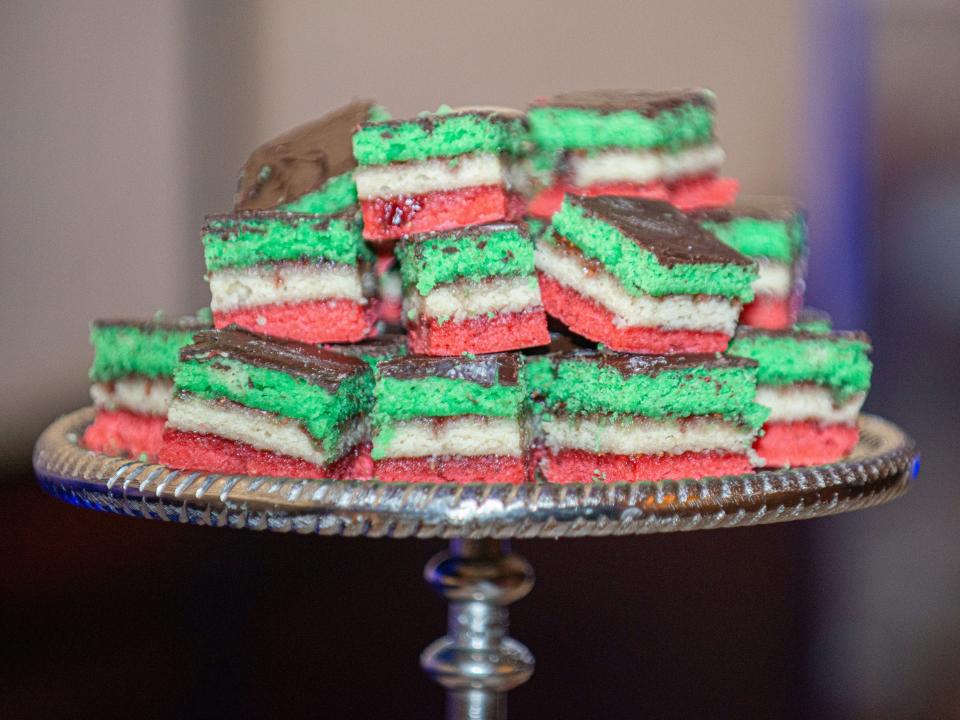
(881, 468)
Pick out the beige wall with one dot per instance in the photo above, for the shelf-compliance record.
(123, 122)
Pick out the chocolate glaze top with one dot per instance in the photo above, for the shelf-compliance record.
(628, 364)
(485, 370)
(223, 223)
(188, 323)
(645, 102)
(761, 207)
(853, 335)
(429, 121)
(324, 368)
(386, 344)
(658, 227)
(300, 160)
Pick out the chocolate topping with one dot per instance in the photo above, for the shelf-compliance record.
(188, 323)
(485, 370)
(317, 366)
(429, 121)
(645, 102)
(225, 224)
(656, 226)
(300, 160)
(853, 335)
(760, 207)
(628, 364)
(389, 343)
(471, 231)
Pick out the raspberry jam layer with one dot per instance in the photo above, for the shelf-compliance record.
(315, 321)
(791, 444)
(704, 192)
(548, 201)
(771, 312)
(392, 218)
(587, 318)
(481, 469)
(509, 331)
(122, 432)
(211, 453)
(577, 466)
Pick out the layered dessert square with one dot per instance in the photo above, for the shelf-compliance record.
(772, 231)
(640, 276)
(294, 276)
(613, 417)
(132, 374)
(307, 169)
(437, 171)
(251, 405)
(451, 419)
(651, 144)
(814, 381)
(471, 290)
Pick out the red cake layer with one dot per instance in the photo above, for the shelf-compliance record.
(481, 469)
(576, 466)
(391, 311)
(392, 218)
(547, 202)
(771, 312)
(510, 331)
(122, 432)
(314, 321)
(807, 442)
(211, 453)
(704, 192)
(585, 317)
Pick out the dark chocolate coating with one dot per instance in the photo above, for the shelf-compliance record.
(471, 231)
(386, 344)
(300, 160)
(429, 121)
(238, 219)
(760, 207)
(188, 323)
(658, 227)
(485, 370)
(629, 364)
(324, 368)
(646, 102)
(745, 331)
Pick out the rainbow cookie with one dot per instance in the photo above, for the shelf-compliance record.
(132, 376)
(246, 404)
(772, 231)
(307, 169)
(640, 276)
(471, 290)
(293, 276)
(613, 417)
(657, 145)
(814, 382)
(451, 419)
(437, 171)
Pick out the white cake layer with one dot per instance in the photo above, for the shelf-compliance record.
(645, 436)
(262, 430)
(416, 178)
(773, 278)
(143, 395)
(283, 283)
(468, 436)
(806, 401)
(467, 299)
(707, 313)
(643, 166)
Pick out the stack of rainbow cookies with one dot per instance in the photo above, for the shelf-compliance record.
(569, 294)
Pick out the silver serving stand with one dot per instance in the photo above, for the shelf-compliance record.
(476, 661)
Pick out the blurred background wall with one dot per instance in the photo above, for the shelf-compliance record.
(123, 123)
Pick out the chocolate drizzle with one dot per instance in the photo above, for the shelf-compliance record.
(759, 207)
(317, 366)
(646, 102)
(485, 370)
(658, 227)
(300, 160)
(652, 365)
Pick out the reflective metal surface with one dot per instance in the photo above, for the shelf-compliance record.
(881, 468)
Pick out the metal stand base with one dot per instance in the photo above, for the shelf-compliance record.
(477, 662)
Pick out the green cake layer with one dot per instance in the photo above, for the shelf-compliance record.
(443, 134)
(320, 412)
(586, 386)
(837, 360)
(337, 194)
(436, 258)
(638, 269)
(756, 237)
(250, 238)
(570, 128)
(441, 397)
(121, 349)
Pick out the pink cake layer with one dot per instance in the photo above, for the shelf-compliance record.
(509, 331)
(807, 442)
(122, 432)
(578, 466)
(315, 321)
